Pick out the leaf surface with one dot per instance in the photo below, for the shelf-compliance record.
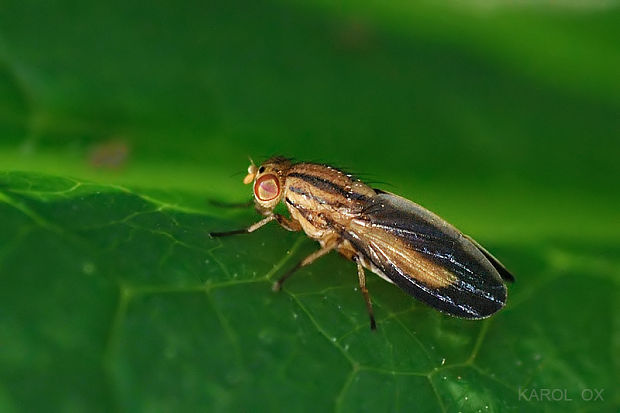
(119, 121)
(120, 300)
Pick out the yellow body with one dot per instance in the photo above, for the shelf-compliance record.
(391, 236)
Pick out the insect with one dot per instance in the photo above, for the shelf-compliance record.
(395, 238)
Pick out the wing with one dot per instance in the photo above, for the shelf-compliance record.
(503, 271)
(427, 257)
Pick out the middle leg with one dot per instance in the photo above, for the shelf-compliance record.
(362, 278)
(306, 261)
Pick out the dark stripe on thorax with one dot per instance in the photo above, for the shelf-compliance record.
(327, 186)
(291, 203)
(320, 200)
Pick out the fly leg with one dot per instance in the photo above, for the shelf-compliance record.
(362, 278)
(306, 261)
(247, 230)
(289, 224)
(286, 223)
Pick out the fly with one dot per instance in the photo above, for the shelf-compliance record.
(397, 239)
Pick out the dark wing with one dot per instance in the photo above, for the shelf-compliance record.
(503, 271)
(427, 257)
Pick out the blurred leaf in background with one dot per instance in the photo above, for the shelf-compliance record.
(118, 122)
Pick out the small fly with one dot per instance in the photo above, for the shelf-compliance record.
(397, 239)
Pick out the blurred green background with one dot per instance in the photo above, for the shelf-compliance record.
(118, 121)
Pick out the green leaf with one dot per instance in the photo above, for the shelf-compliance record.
(119, 122)
(113, 299)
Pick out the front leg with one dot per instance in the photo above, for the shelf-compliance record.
(287, 223)
(290, 224)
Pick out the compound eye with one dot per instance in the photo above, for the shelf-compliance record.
(267, 187)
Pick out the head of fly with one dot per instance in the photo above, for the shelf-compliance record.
(268, 180)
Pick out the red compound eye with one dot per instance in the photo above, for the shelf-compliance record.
(267, 187)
